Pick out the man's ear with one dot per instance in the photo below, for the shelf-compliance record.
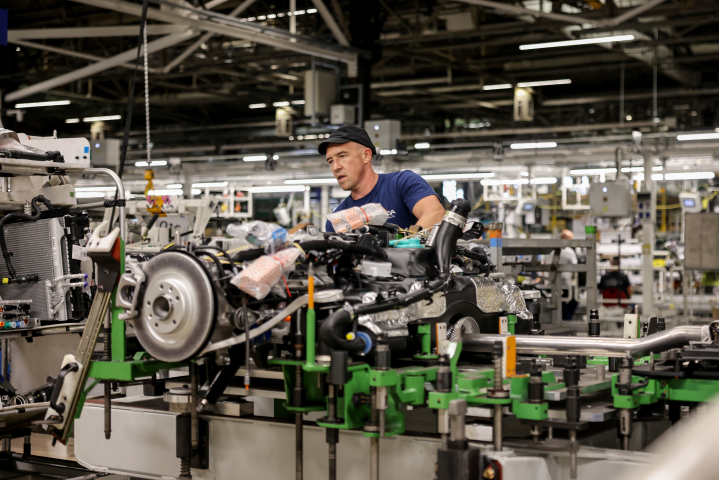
(367, 155)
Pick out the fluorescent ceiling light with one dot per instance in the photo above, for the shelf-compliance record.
(314, 181)
(657, 177)
(42, 104)
(592, 171)
(72, 120)
(455, 176)
(499, 86)
(280, 104)
(388, 152)
(420, 146)
(94, 194)
(297, 102)
(517, 181)
(154, 163)
(165, 192)
(698, 136)
(196, 191)
(580, 41)
(545, 83)
(102, 119)
(255, 158)
(209, 184)
(655, 168)
(175, 185)
(524, 146)
(543, 181)
(95, 189)
(689, 176)
(258, 105)
(278, 189)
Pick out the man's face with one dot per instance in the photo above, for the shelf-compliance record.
(347, 162)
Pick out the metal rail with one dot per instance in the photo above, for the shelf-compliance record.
(612, 347)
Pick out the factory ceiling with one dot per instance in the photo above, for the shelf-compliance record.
(444, 68)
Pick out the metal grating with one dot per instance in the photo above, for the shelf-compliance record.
(37, 248)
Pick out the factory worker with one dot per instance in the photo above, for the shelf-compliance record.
(405, 195)
(566, 256)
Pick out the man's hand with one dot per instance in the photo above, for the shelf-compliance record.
(428, 211)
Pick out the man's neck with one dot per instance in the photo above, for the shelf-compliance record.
(366, 185)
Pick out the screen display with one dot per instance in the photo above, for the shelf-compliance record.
(689, 202)
(528, 206)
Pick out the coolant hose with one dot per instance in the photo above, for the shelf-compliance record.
(333, 331)
(22, 216)
(449, 231)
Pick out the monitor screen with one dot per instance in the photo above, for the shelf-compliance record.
(689, 203)
(527, 207)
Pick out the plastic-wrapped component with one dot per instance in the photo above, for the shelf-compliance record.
(258, 278)
(515, 301)
(10, 141)
(489, 297)
(466, 325)
(260, 234)
(356, 217)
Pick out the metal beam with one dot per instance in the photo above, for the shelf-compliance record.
(630, 14)
(100, 66)
(69, 53)
(505, 7)
(397, 16)
(91, 32)
(204, 38)
(331, 23)
(226, 26)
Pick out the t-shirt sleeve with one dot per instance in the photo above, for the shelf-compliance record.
(329, 228)
(414, 188)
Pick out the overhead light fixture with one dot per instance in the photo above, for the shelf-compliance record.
(196, 191)
(297, 102)
(280, 104)
(421, 146)
(698, 136)
(313, 181)
(102, 119)
(455, 176)
(95, 189)
(543, 181)
(592, 171)
(94, 194)
(164, 192)
(275, 157)
(42, 104)
(579, 41)
(154, 163)
(278, 189)
(516, 181)
(209, 184)
(72, 120)
(499, 86)
(388, 152)
(254, 158)
(545, 83)
(175, 185)
(689, 176)
(525, 146)
(657, 177)
(258, 105)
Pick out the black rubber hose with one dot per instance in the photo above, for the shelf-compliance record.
(246, 255)
(333, 330)
(22, 216)
(348, 247)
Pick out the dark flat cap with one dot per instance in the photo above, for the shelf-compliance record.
(349, 133)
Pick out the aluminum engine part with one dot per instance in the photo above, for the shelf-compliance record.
(489, 297)
(515, 301)
(178, 310)
(465, 325)
(393, 323)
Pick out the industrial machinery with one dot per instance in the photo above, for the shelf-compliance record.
(374, 332)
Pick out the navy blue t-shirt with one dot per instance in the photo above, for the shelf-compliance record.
(397, 192)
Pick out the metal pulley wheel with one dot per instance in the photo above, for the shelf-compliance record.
(177, 313)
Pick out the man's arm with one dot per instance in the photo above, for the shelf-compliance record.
(428, 211)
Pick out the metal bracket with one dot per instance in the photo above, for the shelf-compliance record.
(135, 280)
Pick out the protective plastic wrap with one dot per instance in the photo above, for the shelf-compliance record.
(515, 301)
(489, 297)
(356, 217)
(9, 141)
(393, 323)
(257, 279)
(260, 234)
